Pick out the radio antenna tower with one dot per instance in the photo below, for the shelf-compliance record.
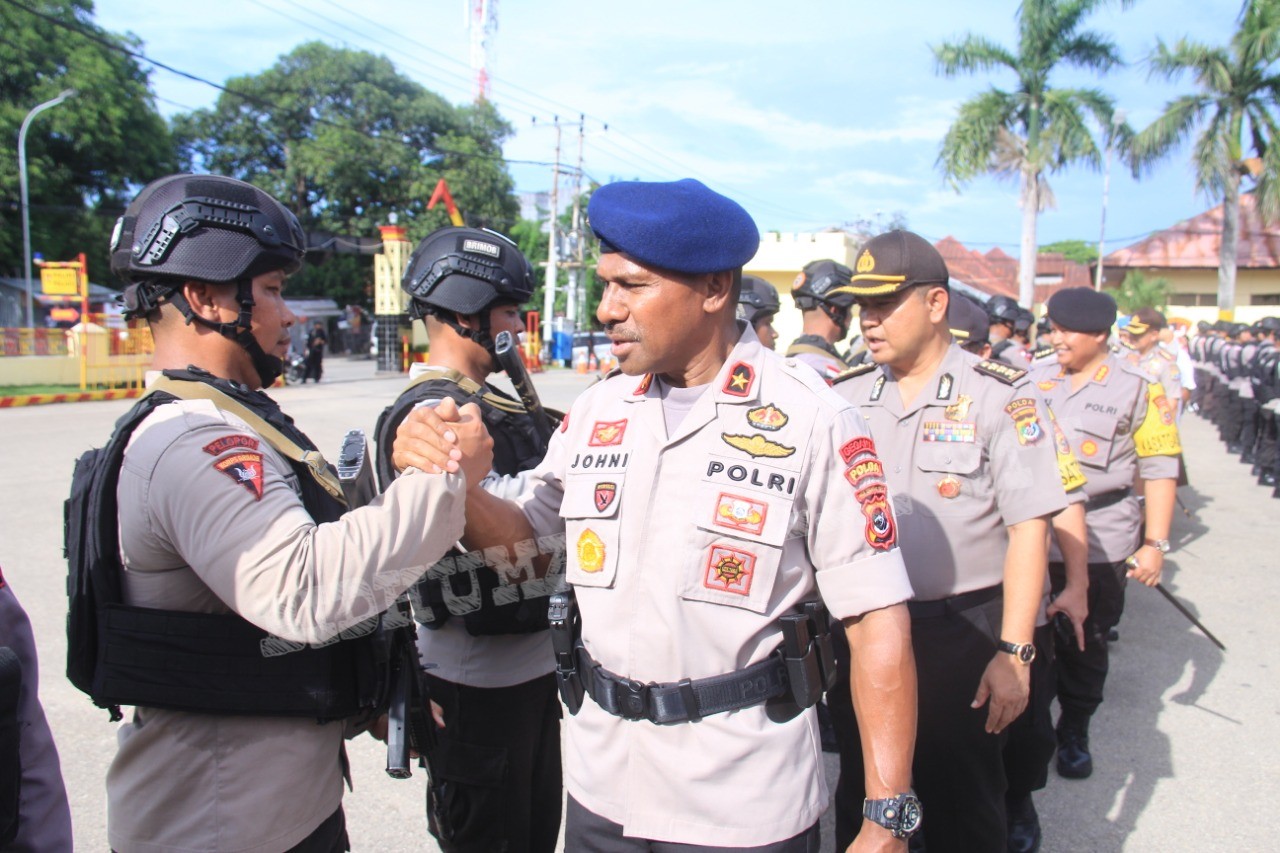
(482, 23)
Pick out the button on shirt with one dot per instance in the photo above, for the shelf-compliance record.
(968, 457)
(684, 551)
(1119, 423)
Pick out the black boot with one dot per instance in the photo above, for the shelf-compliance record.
(1024, 825)
(1074, 760)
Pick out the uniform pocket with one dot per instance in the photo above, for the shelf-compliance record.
(590, 512)
(1097, 433)
(738, 547)
(960, 459)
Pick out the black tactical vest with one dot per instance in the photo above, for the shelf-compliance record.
(516, 448)
(208, 663)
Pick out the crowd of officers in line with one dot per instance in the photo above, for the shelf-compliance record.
(713, 536)
(1237, 388)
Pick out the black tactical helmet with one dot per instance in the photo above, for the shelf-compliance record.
(201, 227)
(1269, 325)
(757, 299)
(1025, 320)
(1003, 309)
(814, 284)
(205, 228)
(465, 270)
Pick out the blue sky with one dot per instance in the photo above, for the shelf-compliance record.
(811, 113)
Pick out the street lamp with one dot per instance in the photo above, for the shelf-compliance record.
(1117, 119)
(22, 186)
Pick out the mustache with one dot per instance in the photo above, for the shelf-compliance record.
(620, 335)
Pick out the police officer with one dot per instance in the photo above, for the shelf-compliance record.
(34, 815)
(1265, 383)
(236, 557)
(969, 452)
(826, 314)
(1120, 424)
(1140, 335)
(758, 304)
(1004, 314)
(706, 492)
(496, 761)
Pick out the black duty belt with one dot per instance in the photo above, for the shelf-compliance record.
(687, 700)
(1107, 499)
(954, 604)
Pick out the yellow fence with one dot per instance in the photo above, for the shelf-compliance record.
(91, 355)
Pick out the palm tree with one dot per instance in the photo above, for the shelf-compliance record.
(1231, 116)
(1034, 129)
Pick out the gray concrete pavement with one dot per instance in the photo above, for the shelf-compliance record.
(1185, 744)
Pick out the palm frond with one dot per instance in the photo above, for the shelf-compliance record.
(1210, 66)
(1170, 128)
(1092, 51)
(970, 143)
(970, 54)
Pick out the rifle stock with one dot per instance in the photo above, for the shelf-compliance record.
(408, 726)
(509, 359)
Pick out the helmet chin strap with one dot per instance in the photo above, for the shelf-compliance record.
(840, 316)
(267, 366)
(480, 336)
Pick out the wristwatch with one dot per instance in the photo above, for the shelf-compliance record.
(1024, 652)
(901, 815)
(1161, 545)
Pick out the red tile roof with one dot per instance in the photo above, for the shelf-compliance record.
(1195, 243)
(977, 270)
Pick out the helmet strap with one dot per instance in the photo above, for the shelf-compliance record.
(840, 316)
(267, 366)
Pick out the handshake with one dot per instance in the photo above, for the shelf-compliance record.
(444, 438)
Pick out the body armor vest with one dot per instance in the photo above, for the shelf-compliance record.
(516, 448)
(208, 663)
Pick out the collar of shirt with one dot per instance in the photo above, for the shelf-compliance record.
(940, 390)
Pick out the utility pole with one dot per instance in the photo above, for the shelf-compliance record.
(26, 201)
(549, 295)
(576, 300)
(1117, 119)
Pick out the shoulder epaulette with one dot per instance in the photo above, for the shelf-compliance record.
(999, 370)
(857, 370)
(1043, 352)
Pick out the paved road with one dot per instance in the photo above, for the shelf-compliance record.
(1185, 746)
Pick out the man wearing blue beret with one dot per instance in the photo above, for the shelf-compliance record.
(715, 501)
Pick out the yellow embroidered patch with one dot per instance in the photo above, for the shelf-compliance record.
(1158, 434)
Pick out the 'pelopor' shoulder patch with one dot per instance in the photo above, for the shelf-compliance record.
(999, 370)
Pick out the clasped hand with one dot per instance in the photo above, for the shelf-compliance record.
(445, 438)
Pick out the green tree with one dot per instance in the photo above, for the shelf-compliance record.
(1080, 251)
(85, 156)
(1034, 129)
(1231, 115)
(1138, 291)
(346, 140)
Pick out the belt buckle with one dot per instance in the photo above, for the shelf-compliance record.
(633, 699)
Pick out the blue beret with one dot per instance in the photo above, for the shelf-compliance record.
(1082, 309)
(680, 225)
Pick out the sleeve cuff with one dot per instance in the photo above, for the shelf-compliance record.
(868, 584)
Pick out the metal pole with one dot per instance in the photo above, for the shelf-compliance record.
(549, 288)
(22, 188)
(1117, 119)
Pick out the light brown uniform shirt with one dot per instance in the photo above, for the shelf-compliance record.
(1119, 423)
(197, 538)
(972, 454)
(684, 550)
(1163, 365)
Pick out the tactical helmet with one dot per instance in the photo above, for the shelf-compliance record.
(465, 270)
(202, 227)
(1003, 309)
(757, 299)
(1269, 325)
(1023, 322)
(814, 284)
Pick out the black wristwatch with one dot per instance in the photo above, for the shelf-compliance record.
(1023, 652)
(901, 815)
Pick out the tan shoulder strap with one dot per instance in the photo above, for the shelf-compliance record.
(313, 459)
(468, 385)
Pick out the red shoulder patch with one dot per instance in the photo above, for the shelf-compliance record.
(740, 380)
(245, 469)
(227, 442)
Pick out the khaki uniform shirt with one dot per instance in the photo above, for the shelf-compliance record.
(1119, 423)
(197, 536)
(1163, 365)
(971, 455)
(684, 551)
(808, 351)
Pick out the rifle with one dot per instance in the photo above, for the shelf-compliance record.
(509, 360)
(408, 723)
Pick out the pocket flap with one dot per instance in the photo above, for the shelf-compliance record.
(741, 513)
(592, 495)
(953, 458)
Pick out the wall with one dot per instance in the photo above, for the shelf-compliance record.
(780, 259)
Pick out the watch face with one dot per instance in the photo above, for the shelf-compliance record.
(911, 814)
(1027, 653)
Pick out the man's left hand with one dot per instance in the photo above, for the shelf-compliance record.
(1007, 683)
(1146, 565)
